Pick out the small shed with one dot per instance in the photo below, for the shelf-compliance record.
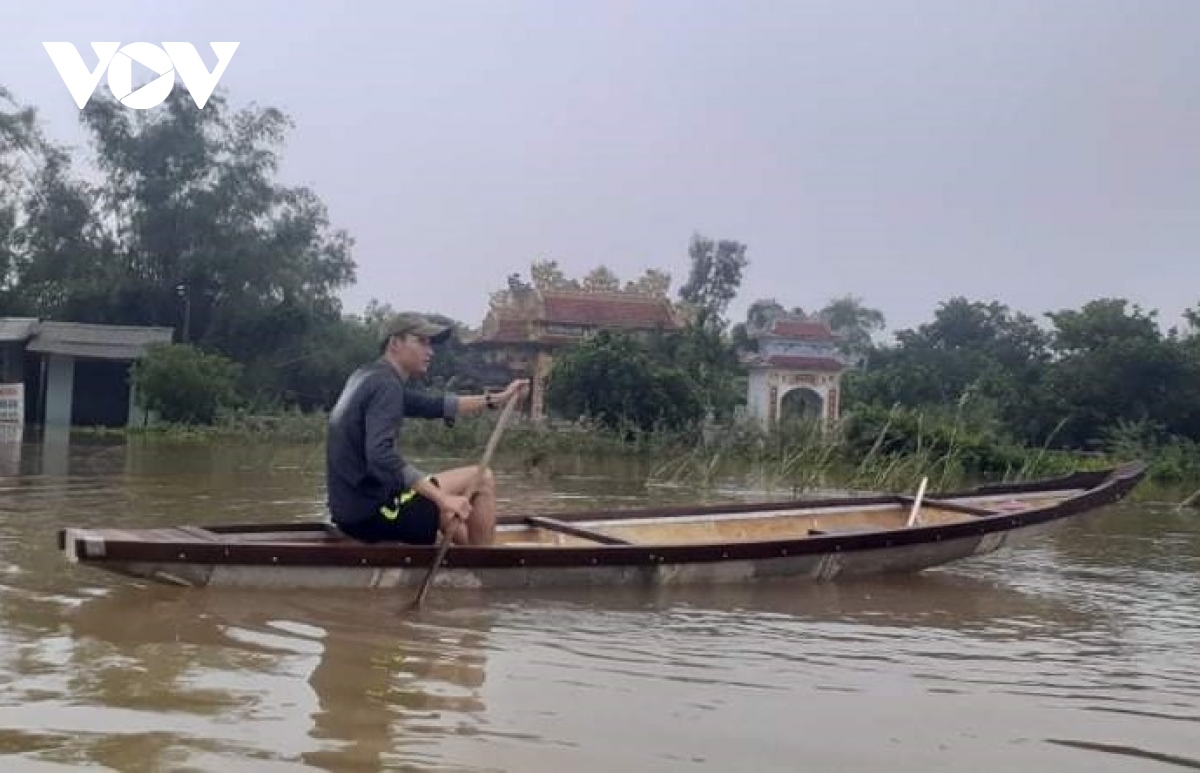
(75, 374)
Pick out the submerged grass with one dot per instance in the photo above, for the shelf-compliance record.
(890, 454)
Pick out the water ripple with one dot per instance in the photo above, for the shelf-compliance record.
(1077, 652)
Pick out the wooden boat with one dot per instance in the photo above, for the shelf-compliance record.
(815, 539)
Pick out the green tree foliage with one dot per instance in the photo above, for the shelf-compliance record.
(1114, 365)
(710, 362)
(184, 384)
(23, 153)
(854, 323)
(614, 380)
(705, 350)
(203, 234)
(981, 349)
(714, 280)
(652, 282)
(186, 228)
(762, 313)
(1093, 369)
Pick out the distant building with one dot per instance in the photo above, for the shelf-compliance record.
(523, 335)
(71, 374)
(796, 372)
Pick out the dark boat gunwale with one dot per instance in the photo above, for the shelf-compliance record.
(1081, 479)
(1100, 488)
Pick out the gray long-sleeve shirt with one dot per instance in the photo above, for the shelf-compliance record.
(363, 466)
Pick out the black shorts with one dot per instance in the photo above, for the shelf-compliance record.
(406, 517)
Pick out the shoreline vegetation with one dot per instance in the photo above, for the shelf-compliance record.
(182, 223)
(793, 460)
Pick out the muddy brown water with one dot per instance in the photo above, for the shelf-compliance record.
(1079, 651)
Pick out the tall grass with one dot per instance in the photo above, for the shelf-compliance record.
(885, 450)
(904, 448)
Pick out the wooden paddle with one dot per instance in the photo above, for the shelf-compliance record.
(470, 494)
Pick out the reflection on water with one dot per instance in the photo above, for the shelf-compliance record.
(1077, 652)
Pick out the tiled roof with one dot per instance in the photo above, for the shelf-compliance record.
(506, 331)
(583, 309)
(565, 340)
(110, 342)
(795, 362)
(607, 310)
(17, 328)
(801, 330)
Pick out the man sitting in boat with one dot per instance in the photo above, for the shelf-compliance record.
(374, 494)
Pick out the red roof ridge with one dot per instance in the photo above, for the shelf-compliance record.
(605, 309)
(614, 295)
(803, 329)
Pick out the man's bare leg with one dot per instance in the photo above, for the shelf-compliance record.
(481, 528)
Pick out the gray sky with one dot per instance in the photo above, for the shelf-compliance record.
(1037, 152)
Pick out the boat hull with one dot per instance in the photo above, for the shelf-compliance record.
(815, 567)
(305, 556)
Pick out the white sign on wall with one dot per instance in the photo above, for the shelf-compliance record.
(12, 403)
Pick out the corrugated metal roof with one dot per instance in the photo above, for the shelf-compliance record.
(110, 342)
(17, 328)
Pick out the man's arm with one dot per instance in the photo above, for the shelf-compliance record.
(448, 405)
(431, 405)
(426, 488)
(427, 405)
(385, 412)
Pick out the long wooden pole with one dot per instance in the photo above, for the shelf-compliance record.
(493, 441)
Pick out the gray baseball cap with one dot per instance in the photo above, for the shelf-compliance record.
(411, 322)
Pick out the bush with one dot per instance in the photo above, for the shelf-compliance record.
(184, 384)
(612, 380)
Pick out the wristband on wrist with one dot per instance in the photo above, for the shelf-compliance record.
(488, 401)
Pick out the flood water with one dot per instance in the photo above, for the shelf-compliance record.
(1077, 652)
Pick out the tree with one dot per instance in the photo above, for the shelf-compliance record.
(762, 313)
(184, 384)
(1115, 366)
(715, 278)
(24, 152)
(188, 229)
(1192, 317)
(205, 239)
(654, 283)
(1100, 323)
(854, 323)
(976, 356)
(67, 270)
(613, 379)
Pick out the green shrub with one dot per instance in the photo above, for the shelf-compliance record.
(184, 384)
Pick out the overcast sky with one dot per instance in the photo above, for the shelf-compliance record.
(1037, 152)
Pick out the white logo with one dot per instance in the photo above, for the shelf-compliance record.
(119, 63)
